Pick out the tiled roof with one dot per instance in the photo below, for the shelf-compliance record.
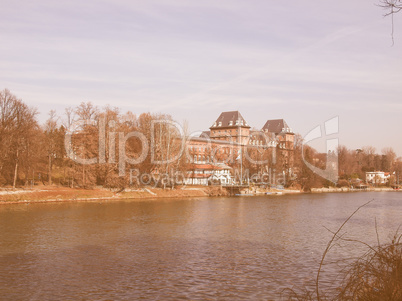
(256, 133)
(199, 175)
(207, 166)
(201, 166)
(205, 134)
(222, 166)
(276, 126)
(230, 119)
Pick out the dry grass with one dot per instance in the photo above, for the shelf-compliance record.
(47, 194)
(54, 194)
(375, 276)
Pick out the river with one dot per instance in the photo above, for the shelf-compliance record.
(240, 248)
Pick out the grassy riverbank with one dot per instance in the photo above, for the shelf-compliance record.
(347, 189)
(59, 194)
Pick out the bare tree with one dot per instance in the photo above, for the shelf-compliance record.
(17, 131)
(70, 117)
(392, 7)
(387, 159)
(87, 140)
(7, 117)
(50, 134)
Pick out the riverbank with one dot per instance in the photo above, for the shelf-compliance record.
(347, 189)
(65, 194)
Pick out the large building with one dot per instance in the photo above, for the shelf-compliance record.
(231, 126)
(230, 138)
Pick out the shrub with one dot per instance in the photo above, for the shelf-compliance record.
(375, 275)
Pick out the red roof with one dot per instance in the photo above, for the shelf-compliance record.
(208, 167)
(199, 175)
(202, 166)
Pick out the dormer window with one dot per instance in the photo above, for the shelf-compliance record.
(231, 122)
(214, 124)
(220, 123)
(237, 122)
(241, 122)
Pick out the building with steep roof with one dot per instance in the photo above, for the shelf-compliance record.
(206, 134)
(231, 126)
(276, 126)
(283, 134)
(231, 140)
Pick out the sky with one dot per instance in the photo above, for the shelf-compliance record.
(304, 61)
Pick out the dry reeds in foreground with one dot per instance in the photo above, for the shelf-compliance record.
(376, 275)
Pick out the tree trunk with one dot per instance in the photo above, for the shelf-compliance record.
(50, 169)
(83, 175)
(15, 170)
(15, 174)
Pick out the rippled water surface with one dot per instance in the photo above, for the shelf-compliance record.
(199, 249)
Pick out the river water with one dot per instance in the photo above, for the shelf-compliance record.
(240, 248)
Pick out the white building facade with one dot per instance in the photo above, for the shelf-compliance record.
(377, 177)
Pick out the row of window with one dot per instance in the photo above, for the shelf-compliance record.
(239, 122)
(227, 131)
(221, 150)
(223, 172)
(198, 148)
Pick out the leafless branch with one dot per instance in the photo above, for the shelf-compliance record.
(329, 246)
(392, 7)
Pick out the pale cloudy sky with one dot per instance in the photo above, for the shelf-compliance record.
(304, 61)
